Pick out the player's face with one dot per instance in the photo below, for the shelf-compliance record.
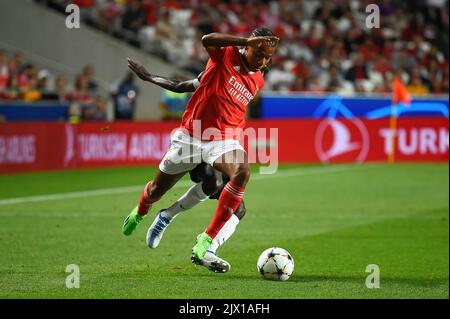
(257, 58)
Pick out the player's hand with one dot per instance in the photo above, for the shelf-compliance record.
(270, 41)
(139, 70)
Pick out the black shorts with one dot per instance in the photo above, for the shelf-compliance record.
(203, 172)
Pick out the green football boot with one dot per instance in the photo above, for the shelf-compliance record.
(131, 222)
(200, 248)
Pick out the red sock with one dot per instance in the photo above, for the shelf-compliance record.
(229, 201)
(145, 203)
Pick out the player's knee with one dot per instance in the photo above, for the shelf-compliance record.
(218, 185)
(216, 181)
(241, 175)
(240, 212)
(212, 185)
(208, 170)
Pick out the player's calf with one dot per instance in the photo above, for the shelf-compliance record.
(240, 211)
(157, 229)
(148, 197)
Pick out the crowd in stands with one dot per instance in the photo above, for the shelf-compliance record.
(21, 81)
(326, 45)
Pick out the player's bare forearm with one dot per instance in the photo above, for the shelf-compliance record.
(172, 85)
(222, 40)
(166, 83)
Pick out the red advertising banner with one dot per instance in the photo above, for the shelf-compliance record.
(34, 146)
(357, 140)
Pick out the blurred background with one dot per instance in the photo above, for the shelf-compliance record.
(330, 63)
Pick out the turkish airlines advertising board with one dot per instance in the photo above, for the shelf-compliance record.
(34, 146)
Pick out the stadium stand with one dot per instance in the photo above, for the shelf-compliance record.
(22, 81)
(325, 44)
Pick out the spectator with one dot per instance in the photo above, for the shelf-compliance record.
(30, 92)
(133, 20)
(99, 109)
(25, 75)
(125, 98)
(165, 34)
(301, 69)
(300, 85)
(42, 78)
(106, 16)
(74, 113)
(19, 61)
(381, 64)
(58, 93)
(415, 85)
(368, 50)
(12, 87)
(81, 93)
(316, 85)
(279, 79)
(331, 79)
(4, 72)
(60, 89)
(89, 73)
(87, 112)
(357, 71)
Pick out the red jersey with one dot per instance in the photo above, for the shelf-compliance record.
(226, 90)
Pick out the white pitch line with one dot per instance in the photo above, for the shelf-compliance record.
(135, 188)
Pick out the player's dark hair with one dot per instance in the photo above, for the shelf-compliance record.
(263, 32)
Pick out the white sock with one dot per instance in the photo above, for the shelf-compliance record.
(191, 198)
(225, 233)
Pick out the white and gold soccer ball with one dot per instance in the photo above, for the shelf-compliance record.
(275, 264)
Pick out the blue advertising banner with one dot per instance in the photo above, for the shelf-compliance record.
(33, 112)
(332, 106)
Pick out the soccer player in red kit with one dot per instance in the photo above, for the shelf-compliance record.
(231, 80)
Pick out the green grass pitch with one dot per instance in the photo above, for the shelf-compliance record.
(334, 220)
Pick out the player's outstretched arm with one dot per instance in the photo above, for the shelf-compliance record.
(214, 40)
(166, 83)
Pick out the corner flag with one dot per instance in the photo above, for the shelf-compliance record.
(399, 96)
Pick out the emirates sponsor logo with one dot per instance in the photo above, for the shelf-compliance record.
(239, 92)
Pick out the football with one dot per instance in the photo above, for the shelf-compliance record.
(275, 264)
